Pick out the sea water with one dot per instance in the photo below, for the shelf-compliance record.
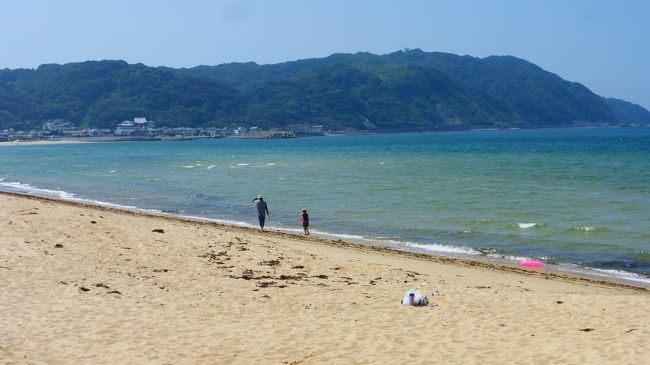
(578, 198)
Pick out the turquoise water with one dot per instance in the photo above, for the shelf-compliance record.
(574, 197)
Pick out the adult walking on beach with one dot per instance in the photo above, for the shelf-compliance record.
(262, 210)
(304, 219)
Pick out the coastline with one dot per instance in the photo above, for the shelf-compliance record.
(41, 142)
(460, 260)
(101, 139)
(88, 283)
(497, 262)
(75, 140)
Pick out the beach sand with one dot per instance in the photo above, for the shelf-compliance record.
(90, 285)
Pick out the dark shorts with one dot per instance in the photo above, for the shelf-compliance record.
(261, 218)
(305, 224)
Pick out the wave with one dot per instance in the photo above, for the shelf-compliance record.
(17, 187)
(587, 229)
(14, 186)
(393, 238)
(511, 258)
(465, 232)
(444, 249)
(643, 256)
(215, 220)
(396, 243)
(527, 225)
(608, 274)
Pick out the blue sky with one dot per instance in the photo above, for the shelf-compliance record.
(603, 44)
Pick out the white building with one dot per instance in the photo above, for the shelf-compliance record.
(58, 126)
(138, 125)
(143, 123)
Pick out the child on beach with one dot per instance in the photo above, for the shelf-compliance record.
(305, 221)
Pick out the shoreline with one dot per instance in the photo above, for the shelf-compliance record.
(40, 142)
(448, 250)
(348, 133)
(549, 271)
(75, 140)
(94, 284)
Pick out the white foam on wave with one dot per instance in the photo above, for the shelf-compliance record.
(527, 225)
(344, 236)
(188, 166)
(443, 249)
(294, 230)
(400, 244)
(18, 187)
(392, 238)
(605, 273)
(270, 164)
(588, 229)
(626, 275)
(113, 205)
(468, 231)
(509, 257)
(212, 220)
(243, 164)
(211, 167)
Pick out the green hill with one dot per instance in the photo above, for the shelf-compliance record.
(103, 93)
(627, 112)
(400, 91)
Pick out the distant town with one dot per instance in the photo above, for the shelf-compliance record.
(142, 129)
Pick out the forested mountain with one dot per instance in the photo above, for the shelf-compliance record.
(627, 112)
(404, 90)
(103, 93)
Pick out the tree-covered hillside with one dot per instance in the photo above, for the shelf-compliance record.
(404, 90)
(104, 93)
(627, 112)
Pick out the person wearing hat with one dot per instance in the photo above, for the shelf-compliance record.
(262, 210)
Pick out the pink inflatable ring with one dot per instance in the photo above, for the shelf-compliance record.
(532, 263)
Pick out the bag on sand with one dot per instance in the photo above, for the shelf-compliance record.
(415, 298)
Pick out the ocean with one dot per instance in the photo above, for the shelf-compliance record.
(577, 199)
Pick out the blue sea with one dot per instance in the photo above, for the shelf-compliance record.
(577, 199)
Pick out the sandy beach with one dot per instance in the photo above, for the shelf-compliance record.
(91, 285)
(39, 142)
(75, 140)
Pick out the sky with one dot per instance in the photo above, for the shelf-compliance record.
(602, 44)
